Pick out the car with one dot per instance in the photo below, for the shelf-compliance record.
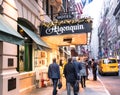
(118, 63)
(108, 66)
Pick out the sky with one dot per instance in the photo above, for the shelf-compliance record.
(93, 10)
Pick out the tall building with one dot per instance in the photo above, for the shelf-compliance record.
(108, 34)
(117, 21)
(24, 54)
(21, 46)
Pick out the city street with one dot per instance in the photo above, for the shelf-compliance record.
(112, 83)
(37, 33)
(92, 88)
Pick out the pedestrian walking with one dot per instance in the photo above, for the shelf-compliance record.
(54, 75)
(71, 76)
(87, 68)
(83, 73)
(89, 64)
(94, 69)
(78, 67)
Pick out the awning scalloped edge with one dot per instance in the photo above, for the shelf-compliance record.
(50, 24)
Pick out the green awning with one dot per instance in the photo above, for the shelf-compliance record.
(34, 37)
(8, 33)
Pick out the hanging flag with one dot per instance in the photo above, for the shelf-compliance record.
(79, 8)
(82, 50)
(72, 2)
(83, 2)
(89, 1)
(80, 5)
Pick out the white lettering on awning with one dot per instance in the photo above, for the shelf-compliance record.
(60, 30)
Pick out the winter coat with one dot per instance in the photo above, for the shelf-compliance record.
(70, 73)
(54, 71)
(83, 70)
(94, 66)
(78, 67)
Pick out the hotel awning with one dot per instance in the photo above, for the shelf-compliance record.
(67, 32)
(34, 37)
(8, 33)
(66, 40)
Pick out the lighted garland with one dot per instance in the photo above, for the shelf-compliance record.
(54, 23)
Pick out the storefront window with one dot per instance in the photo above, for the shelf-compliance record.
(21, 58)
(25, 58)
(25, 53)
(40, 58)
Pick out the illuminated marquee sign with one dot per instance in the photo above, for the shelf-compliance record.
(65, 27)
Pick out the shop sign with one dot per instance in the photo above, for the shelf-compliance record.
(65, 28)
(64, 16)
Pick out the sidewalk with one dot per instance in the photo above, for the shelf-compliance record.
(92, 88)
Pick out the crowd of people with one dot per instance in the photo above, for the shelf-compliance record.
(75, 71)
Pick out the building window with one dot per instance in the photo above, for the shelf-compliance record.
(24, 53)
(46, 6)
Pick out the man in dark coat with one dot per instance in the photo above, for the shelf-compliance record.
(54, 74)
(94, 69)
(78, 67)
(71, 76)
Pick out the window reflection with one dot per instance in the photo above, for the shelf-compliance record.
(21, 58)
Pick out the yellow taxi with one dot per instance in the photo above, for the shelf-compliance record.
(108, 65)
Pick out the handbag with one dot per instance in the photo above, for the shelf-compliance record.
(76, 86)
(59, 84)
